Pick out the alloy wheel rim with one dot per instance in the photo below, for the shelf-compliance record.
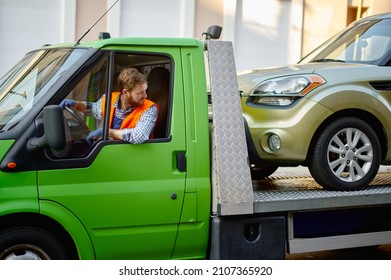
(350, 154)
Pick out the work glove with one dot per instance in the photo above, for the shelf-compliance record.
(94, 135)
(67, 103)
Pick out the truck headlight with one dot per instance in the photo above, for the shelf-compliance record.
(284, 91)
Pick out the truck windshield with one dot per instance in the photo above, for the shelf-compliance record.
(366, 42)
(29, 79)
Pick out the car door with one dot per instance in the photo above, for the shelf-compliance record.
(128, 197)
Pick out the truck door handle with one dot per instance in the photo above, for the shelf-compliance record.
(181, 161)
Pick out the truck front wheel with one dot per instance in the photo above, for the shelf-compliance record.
(30, 243)
(346, 156)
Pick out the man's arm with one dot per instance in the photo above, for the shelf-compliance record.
(141, 132)
(96, 109)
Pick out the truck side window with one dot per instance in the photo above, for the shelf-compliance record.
(80, 121)
(157, 69)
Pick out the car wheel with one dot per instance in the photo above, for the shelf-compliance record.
(261, 172)
(30, 243)
(346, 155)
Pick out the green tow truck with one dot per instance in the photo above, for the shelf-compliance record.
(185, 194)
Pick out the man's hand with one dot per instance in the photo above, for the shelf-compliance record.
(94, 135)
(68, 103)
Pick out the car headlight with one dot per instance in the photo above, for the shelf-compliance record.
(284, 91)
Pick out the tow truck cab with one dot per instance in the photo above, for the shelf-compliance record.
(110, 199)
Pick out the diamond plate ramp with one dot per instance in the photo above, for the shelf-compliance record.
(231, 172)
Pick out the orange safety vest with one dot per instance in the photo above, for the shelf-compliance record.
(131, 120)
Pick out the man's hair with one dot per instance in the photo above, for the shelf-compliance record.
(129, 78)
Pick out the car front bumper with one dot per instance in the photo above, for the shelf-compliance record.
(295, 126)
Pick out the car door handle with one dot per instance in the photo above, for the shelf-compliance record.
(181, 161)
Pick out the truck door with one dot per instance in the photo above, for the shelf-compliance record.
(128, 196)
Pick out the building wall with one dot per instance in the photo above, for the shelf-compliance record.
(208, 13)
(376, 6)
(266, 33)
(254, 26)
(87, 13)
(324, 18)
(27, 25)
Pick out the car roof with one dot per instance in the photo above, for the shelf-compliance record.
(375, 17)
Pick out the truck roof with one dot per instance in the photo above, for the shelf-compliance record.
(134, 41)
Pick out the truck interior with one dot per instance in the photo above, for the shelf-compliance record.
(92, 87)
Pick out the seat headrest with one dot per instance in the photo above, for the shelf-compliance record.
(158, 79)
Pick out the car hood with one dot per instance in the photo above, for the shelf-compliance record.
(247, 80)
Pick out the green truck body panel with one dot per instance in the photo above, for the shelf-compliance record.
(18, 191)
(132, 202)
(72, 225)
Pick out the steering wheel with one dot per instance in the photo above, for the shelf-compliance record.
(77, 123)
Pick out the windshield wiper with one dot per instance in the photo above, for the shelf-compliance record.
(328, 60)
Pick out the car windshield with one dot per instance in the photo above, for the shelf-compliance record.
(365, 42)
(28, 80)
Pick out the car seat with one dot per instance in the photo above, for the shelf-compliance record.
(158, 92)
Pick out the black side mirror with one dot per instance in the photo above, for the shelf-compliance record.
(54, 130)
(213, 32)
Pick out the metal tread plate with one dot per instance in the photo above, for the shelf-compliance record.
(232, 189)
(303, 193)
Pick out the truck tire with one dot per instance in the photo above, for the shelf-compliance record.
(346, 155)
(30, 243)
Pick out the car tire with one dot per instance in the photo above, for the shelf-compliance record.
(346, 155)
(30, 243)
(262, 171)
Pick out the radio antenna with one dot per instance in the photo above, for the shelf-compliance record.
(78, 41)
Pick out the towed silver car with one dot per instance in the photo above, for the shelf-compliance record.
(330, 112)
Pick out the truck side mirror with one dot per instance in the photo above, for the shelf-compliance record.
(213, 32)
(54, 130)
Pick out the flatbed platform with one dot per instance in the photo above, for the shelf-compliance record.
(297, 193)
